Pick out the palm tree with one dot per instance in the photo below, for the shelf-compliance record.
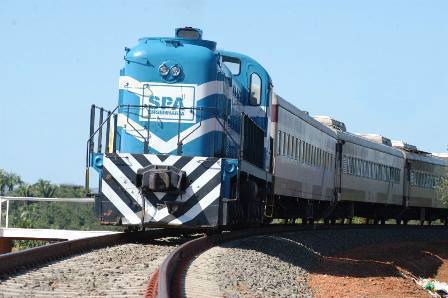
(25, 190)
(3, 175)
(13, 180)
(44, 188)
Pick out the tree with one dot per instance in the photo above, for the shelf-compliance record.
(25, 190)
(44, 188)
(13, 180)
(8, 181)
(442, 189)
(2, 182)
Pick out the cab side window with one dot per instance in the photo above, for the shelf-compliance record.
(255, 90)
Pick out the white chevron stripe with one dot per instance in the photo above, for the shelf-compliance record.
(193, 188)
(150, 210)
(131, 161)
(129, 186)
(191, 133)
(188, 169)
(193, 164)
(119, 204)
(198, 207)
(159, 195)
(154, 159)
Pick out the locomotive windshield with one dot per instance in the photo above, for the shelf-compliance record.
(233, 64)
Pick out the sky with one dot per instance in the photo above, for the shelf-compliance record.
(380, 66)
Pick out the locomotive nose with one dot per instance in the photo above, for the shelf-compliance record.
(156, 178)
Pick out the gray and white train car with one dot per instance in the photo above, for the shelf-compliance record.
(371, 176)
(304, 159)
(322, 171)
(423, 173)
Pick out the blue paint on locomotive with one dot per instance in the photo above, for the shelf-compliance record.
(218, 97)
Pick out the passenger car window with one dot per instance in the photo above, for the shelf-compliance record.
(255, 90)
(279, 143)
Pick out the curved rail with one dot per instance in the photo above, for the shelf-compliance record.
(168, 276)
(32, 257)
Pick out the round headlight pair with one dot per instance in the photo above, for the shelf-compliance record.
(165, 70)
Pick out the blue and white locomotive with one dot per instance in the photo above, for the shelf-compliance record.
(199, 139)
(175, 152)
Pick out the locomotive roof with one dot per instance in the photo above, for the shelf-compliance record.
(211, 45)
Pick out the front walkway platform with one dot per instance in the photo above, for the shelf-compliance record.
(49, 234)
(9, 234)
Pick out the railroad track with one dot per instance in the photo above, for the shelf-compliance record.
(121, 264)
(110, 265)
(171, 279)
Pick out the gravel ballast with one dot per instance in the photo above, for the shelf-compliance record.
(278, 265)
(121, 270)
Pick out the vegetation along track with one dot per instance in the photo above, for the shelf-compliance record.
(110, 265)
(170, 279)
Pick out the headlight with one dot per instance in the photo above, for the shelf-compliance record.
(175, 71)
(164, 70)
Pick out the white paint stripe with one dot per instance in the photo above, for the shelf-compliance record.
(201, 91)
(119, 204)
(153, 159)
(188, 135)
(200, 182)
(188, 169)
(167, 146)
(159, 195)
(193, 164)
(132, 162)
(193, 188)
(171, 160)
(128, 186)
(198, 207)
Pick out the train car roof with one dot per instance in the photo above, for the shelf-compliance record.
(442, 155)
(428, 158)
(358, 140)
(304, 116)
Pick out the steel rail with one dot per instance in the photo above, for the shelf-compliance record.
(33, 257)
(168, 277)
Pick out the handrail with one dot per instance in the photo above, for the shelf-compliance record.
(128, 109)
(7, 199)
(39, 199)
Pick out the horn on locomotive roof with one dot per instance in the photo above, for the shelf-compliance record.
(189, 33)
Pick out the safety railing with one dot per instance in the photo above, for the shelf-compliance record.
(6, 200)
(107, 126)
